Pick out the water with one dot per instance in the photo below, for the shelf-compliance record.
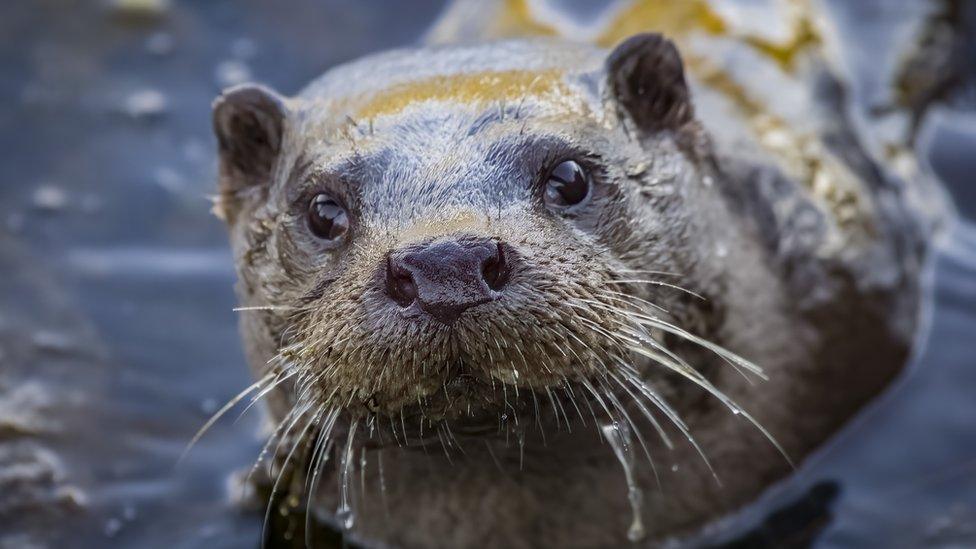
(346, 513)
(618, 436)
(117, 335)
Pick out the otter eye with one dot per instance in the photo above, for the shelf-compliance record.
(568, 184)
(327, 219)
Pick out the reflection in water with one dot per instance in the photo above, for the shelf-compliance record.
(117, 335)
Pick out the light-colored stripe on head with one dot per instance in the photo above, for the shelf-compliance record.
(477, 89)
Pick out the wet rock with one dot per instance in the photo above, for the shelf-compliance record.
(33, 479)
(956, 528)
(51, 342)
(72, 497)
(22, 411)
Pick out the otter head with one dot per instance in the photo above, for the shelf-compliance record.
(451, 236)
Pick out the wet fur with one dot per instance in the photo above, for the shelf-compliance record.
(667, 201)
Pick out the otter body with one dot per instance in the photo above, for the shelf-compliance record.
(496, 288)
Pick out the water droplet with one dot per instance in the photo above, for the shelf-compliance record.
(52, 342)
(145, 104)
(170, 179)
(49, 198)
(129, 512)
(346, 517)
(345, 513)
(618, 435)
(112, 527)
(721, 249)
(382, 476)
(208, 406)
(230, 73)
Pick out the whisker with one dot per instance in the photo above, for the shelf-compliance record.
(612, 295)
(345, 512)
(717, 349)
(671, 414)
(646, 271)
(657, 283)
(647, 413)
(323, 441)
(618, 297)
(677, 364)
(281, 439)
(284, 465)
(633, 426)
(220, 413)
(701, 381)
(656, 322)
(266, 448)
(264, 392)
(265, 308)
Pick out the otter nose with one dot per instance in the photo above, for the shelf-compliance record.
(447, 277)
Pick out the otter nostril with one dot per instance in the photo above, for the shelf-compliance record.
(495, 270)
(446, 277)
(400, 285)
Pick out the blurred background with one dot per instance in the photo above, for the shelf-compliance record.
(117, 335)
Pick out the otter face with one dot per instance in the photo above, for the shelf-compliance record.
(459, 247)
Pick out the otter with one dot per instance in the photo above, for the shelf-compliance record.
(515, 291)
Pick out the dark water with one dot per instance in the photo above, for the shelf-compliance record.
(116, 289)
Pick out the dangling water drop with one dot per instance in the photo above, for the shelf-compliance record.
(345, 513)
(618, 435)
(382, 478)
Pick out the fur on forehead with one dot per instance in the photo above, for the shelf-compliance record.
(429, 159)
(445, 93)
(453, 107)
(381, 71)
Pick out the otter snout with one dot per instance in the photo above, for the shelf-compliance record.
(444, 278)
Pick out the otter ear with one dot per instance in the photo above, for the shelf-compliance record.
(249, 122)
(646, 79)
